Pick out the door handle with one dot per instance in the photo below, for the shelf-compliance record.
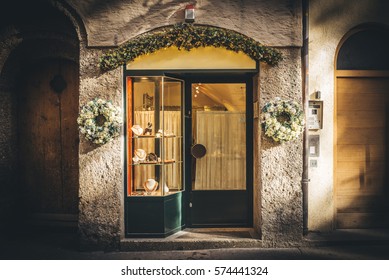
(198, 150)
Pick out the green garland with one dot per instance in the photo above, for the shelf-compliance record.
(188, 36)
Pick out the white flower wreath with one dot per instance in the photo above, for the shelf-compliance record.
(100, 121)
(282, 120)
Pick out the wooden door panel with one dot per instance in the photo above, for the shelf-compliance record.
(358, 184)
(49, 138)
(361, 153)
(361, 119)
(361, 158)
(367, 167)
(361, 203)
(39, 137)
(361, 220)
(356, 85)
(361, 136)
(69, 137)
(362, 102)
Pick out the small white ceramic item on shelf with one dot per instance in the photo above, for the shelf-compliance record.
(166, 189)
(135, 159)
(137, 129)
(159, 133)
(140, 154)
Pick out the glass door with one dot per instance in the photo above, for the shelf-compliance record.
(220, 187)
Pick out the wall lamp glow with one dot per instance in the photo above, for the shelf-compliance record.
(189, 13)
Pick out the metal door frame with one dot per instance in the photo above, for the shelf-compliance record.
(219, 78)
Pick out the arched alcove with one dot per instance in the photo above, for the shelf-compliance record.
(361, 128)
(199, 58)
(364, 49)
(39, 142)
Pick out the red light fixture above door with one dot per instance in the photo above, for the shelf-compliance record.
(189, 13)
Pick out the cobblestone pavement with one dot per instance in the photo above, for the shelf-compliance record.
(63, 246)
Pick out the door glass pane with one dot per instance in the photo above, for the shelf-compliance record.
(219, 124)
(155, 136)
(171, 130)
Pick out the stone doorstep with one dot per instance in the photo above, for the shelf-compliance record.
(196, 239)
(347, 237)
(219, 238)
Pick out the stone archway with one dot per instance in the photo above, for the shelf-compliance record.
(361, 129)
(41, 41)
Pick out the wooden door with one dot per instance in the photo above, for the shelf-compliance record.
(48, 137)
(361, 152)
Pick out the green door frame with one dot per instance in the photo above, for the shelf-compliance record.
(242, 217)
(208, 76)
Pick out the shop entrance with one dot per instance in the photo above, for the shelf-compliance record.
(189, 151)
(218, 154)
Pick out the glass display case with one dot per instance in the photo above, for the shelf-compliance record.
(155, 137)
(154, 153)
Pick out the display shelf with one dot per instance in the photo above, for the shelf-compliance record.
(154, 156)
(166, 162)
(154, 137)
(155, 126)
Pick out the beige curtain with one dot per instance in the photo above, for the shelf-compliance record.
(143, 172)
(224, 165)
(173, 149)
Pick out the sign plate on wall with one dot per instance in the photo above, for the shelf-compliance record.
(315, 115)
(314, 145)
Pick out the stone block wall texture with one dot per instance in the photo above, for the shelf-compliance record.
(272, 22)
(8, 155)
(101, 167)
(8, 133)
(281, 164)
(329, 21)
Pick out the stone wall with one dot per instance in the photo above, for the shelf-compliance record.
(101, 185)
(278, 207)
(329, 21)
(101, 167)
(8, 132)
(8, 155)
(280, 165)
(272, 22)
(278, 168)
